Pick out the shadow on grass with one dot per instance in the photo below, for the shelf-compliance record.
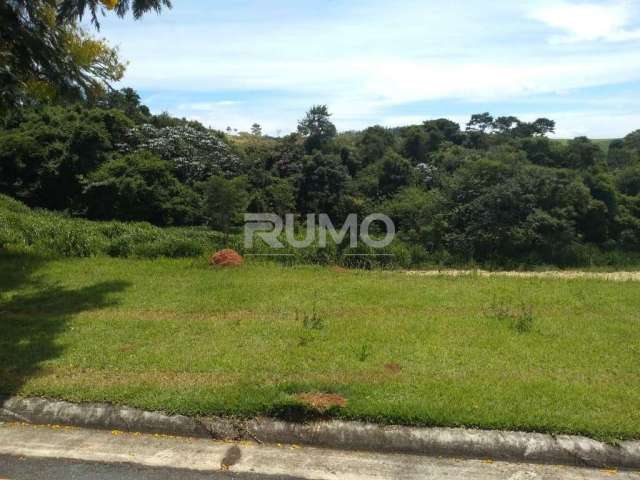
(294, 412)
(32, 318)
(307, 407)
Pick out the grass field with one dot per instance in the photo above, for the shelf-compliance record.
(556, 355)
(603, 143)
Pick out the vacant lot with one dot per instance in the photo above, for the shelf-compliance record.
(543, 354)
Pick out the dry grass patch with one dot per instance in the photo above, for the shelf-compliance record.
(550, 274)
(393, 367)
(322, 402)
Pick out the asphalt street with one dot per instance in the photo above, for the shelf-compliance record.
(66, 453)
(23, 468)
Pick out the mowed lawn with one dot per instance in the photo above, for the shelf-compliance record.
(179, 336)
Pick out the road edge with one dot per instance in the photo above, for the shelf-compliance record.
(336, 434)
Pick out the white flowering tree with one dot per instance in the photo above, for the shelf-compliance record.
(196, 154)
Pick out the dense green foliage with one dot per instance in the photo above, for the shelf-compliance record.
(45, 233)
(225, 200)
(499, 192)
(45, 54)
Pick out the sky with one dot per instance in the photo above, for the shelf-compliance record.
(389, 63)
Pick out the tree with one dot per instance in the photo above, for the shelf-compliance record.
(509, 125)
(373, 144)
(628, 180)
(621, 154)
(73, 10)
(632, 141)
(500, 193)
(543, 126)
(421, 141)
(499, 212)
(280, 197)
(139, 187)
(195, 153)
(442, 130)
(601, 209)
(539, 127)
(581, 153)
(480, 122)
(44, 54)
(290, 155)
(45, 157)
(317, 128)
(128, 101)
(451, 157)
(322, 184)
(397, 172)
(415, 214)
(256, 130)
(42, 58)
(506, 125)
(417, 144)
(224, 201)
(542, 151)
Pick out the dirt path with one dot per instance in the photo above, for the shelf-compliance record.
(561, 274)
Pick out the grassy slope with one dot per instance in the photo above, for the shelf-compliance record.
(178, 336)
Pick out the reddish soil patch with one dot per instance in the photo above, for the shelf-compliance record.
(226, 258)
(322, 401)
(393, 367)
(127, 348)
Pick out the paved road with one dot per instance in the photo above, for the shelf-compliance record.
(16, 468)
(52, 453)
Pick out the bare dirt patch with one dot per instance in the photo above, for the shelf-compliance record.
(322, 401)
(393, 367)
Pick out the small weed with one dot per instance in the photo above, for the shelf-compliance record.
(498, 309)
(524, 319)
(313, 320)
(364, 352)
(520, 319)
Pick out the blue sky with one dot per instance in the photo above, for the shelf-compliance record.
(391, 63)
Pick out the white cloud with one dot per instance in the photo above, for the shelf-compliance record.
(368, 84)
(368, 59)
(208, 106)
(588, 22)
(592, 124)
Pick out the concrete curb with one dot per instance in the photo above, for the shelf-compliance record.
(454, 442)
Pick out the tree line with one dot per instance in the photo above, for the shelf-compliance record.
(496, 191)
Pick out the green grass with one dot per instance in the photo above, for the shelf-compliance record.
(603, 143)
(176, 335)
